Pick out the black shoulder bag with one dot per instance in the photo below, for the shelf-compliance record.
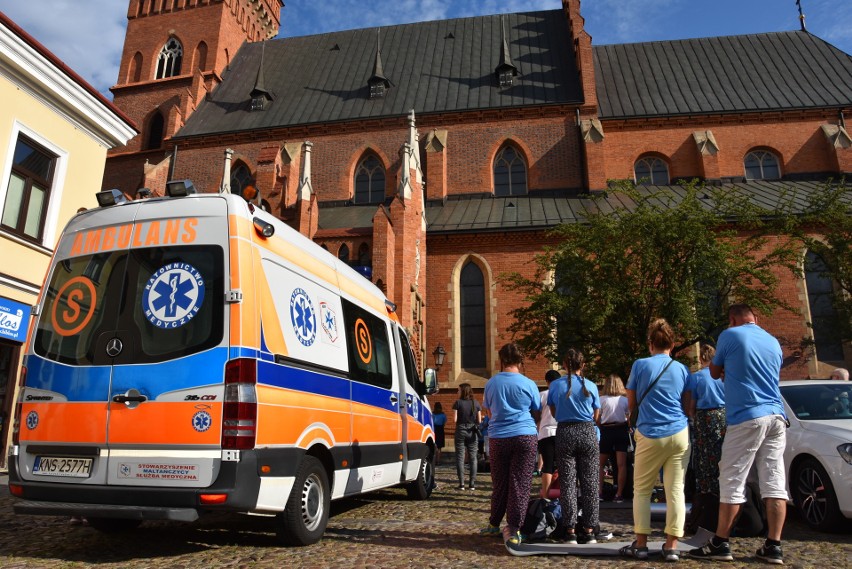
(634, 413)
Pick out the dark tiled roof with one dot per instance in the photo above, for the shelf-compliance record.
(440, 66)
(346, 217)
(538, 212)
(773, 71)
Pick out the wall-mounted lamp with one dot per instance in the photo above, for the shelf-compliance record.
(439, 354)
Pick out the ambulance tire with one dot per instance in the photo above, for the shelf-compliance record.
(422, 487)
(113, 525)
(304, 519)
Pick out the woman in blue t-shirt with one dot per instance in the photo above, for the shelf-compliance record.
(575, 404)
(706, 406)
(509, 398)
(656, 385)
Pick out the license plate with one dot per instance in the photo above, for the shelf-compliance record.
(62, 466)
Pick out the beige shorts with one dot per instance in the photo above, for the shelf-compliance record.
(759, 442)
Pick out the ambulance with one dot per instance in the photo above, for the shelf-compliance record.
(193, 354)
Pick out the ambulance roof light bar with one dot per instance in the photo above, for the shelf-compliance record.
(110, 197)
(180, 188)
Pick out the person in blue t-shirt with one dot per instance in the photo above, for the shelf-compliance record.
(439, 419)
(656, 386)
(574, 403)
(510, 398)
(748, 359)
(706, 407)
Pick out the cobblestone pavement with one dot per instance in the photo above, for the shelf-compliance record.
(379, 530)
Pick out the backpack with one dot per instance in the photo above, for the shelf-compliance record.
(541, 519)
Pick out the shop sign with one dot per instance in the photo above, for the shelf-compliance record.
(14, 320)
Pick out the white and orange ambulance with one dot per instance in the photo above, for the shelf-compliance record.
(194, 354)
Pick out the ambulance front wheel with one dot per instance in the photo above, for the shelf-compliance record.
(422, 487)
(304, 519)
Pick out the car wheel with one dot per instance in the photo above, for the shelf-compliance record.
(113, 525)
(304, 519)
(814, 496)
(422, 487)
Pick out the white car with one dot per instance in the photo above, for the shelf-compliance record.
(818, 457)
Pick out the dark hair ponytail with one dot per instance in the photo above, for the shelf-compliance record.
(573, 362)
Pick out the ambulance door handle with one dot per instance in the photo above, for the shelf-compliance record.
(132, 398)
(394, 398)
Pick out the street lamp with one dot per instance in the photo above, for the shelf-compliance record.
(439, 354)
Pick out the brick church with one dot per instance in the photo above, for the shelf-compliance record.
(434, 156)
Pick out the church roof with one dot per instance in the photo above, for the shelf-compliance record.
(433, 67)
(544, 210)
(748, 73)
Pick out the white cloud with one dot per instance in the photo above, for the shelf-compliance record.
(88, 36)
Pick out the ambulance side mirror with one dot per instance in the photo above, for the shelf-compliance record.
(430, 380)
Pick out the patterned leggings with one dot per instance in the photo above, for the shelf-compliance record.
(709, 433)
(578, 456)
(512, 462)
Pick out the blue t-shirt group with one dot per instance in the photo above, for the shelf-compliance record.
(510, 397)
(708, 393)
(576, 407)
(660, 411)
(751, 358)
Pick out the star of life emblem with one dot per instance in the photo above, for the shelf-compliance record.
(173, 295)
(303, 317)
(201, 421)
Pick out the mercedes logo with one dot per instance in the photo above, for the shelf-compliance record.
(114, 347)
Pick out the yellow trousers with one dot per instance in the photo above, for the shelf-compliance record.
(672, 455)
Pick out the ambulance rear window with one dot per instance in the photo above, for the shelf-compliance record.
(161, 303)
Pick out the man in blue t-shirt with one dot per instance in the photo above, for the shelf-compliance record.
(748, 359)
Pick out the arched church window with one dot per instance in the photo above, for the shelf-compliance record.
(651, 170)
(156, 127)
(343, 253)
(824, 316)
(472, 317)
(510, 173)
(761, 165)
(242, 182)
(168, 64)
(369, 181)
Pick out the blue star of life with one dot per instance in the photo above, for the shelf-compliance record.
(173, 295)
(201, 421)
(303, 317)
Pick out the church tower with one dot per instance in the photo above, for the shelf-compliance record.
(175, 52)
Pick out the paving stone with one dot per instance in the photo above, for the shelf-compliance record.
(376, 531)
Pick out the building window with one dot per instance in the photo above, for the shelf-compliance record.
(510, 173)
(168, 65)
(762, 165)
(369, 181)
(156, 126)
(28, 190)
(343, 253)
(242, 182)
(472, 305)
(651, 170)
(823, 314)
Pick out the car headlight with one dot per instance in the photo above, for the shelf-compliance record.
(845, 451)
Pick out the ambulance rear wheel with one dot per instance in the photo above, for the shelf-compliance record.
(304, 519)
(113, 525)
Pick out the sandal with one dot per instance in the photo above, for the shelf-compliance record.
(634, 551)
(670, 554)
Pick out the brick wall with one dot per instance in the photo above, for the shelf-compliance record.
(796, 138)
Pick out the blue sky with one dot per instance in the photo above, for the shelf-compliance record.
(88, 34)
